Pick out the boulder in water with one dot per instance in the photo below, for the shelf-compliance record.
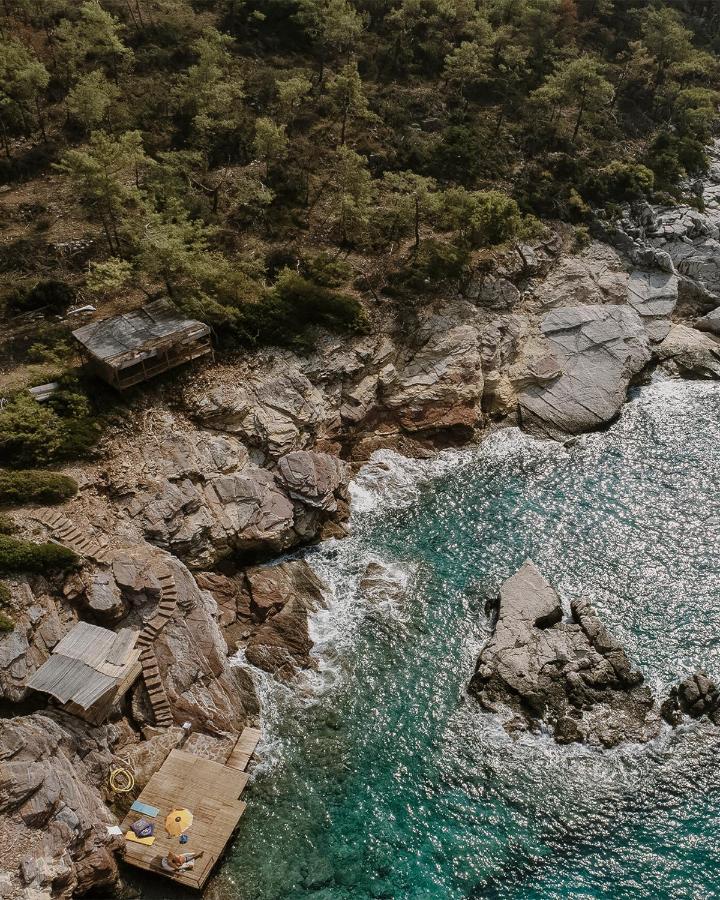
(572, 675)
(695, 696)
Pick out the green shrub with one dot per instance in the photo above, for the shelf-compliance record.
(6, 623)
(35, 486)
(619, 182)
(672, 158)
(17, 555)
(295, 305)
(35, 434)
(5, 595)
(7, 525)
(434, 264)
(325, 269)
(55, 296)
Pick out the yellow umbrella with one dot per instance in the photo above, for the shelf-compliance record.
(178, 821)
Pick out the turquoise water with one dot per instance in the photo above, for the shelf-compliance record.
(382, 779)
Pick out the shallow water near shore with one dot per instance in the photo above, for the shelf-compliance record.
(382, 779)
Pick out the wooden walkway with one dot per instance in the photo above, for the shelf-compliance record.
(211, 792)
(71, 536)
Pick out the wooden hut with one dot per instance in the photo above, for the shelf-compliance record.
(89, 670)
(127, 349)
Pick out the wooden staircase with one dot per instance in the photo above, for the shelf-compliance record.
(65, 532)
(151, 671)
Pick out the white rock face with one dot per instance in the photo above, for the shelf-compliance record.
(599, 349)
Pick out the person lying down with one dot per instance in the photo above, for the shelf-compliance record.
(179, 862)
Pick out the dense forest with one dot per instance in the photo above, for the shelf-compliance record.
(271, 165)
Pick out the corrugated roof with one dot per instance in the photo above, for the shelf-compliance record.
(160, 321)
(86, 664)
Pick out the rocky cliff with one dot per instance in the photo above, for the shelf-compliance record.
(230, 465)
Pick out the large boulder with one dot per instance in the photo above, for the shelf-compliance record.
(571, 675)
(599, 349)
(692, 353)
(696, 696)
(282, 598)
(710, 322)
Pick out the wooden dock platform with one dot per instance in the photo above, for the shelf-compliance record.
(210, 790)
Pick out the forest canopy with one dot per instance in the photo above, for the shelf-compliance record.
(266, 162)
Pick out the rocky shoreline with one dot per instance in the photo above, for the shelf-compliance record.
(237, 463)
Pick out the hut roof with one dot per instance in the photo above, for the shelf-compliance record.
(87, 664)
(130, 335)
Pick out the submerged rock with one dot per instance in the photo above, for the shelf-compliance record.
(572, 675)
(696, 696)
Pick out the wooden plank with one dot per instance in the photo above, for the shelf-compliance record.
(123, 645)
(208, 789)
(244, 749)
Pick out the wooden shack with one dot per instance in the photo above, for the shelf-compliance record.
(128, 349)
(90, 670)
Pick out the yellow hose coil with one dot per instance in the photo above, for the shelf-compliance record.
(121, 781)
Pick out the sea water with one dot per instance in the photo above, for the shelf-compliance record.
(382, 778)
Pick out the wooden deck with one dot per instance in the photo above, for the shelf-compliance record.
(211, 791)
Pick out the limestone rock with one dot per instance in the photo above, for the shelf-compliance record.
(693, 353)
(710, 322)
(574, 676)
(653, 296)
(599, 349)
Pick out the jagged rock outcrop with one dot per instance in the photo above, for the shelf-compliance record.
(571, 675)
(599, 349)
(52, 767)
(41, 619)
(441, 385)
(696, 696)
(692, 353)
(281, 597)
(278, 413)
(202, 499)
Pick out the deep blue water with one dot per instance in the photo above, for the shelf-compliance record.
(382, 779)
